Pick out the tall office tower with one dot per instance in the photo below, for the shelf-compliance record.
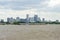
(35, 18)
(17, 19)
(43, 19)
(27, 18)
(11, 19)
(8, 20)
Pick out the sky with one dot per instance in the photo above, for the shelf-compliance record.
(49, 9)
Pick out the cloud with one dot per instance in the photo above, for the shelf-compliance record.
(21, 5)
(47, 5)
(44, 8)
(53, 3)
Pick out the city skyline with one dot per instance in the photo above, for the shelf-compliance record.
(49, 9)
(27, 18)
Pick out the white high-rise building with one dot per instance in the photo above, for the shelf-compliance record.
(39, 19)
(31, 19)
(17, 19)
(35, 18)
(10, 20)
(27, 18)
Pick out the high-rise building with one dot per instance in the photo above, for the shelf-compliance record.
(39, 20)
(27, 18)
(10, 20)
(17, 19)
(35, 18)
(31, 19)
(43, 19)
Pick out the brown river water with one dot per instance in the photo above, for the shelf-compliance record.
(29, 32)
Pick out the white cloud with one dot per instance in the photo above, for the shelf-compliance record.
(53, 3)
(10, 0)
(24, 7)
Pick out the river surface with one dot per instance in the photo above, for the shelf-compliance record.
(29, 32)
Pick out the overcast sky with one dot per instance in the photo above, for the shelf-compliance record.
(49, 9)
